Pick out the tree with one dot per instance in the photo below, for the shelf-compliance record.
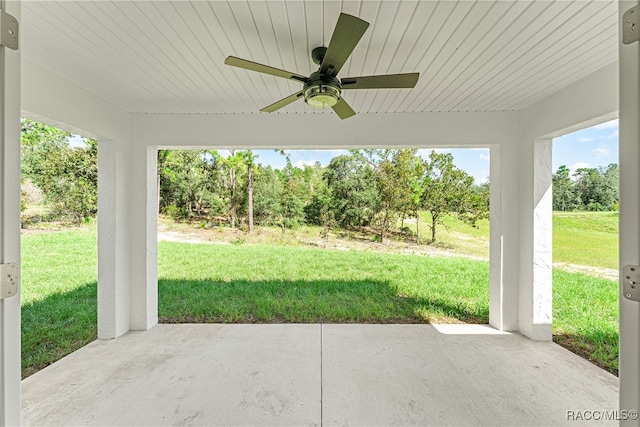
(449, 190)
(319, 212)
(249, 159)
(68, 176)
(417, 190)
(411, 168)
(394, 176)
(38, 141)
(267, 191)
(597, 189)
(319, 207)
(353, 189)
(231, 166)
(189, 183)
(293, 197)
(564, 194)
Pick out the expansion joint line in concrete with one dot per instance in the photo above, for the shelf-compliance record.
(321, 380)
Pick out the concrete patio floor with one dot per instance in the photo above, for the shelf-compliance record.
(318, 375)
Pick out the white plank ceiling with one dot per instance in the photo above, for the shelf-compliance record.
(168, 56)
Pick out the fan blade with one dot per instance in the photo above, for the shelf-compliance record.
(254, 66)
(282, 103)
(343, 110)
(348, 32)
(387, 81)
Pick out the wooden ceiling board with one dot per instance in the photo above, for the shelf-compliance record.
(441, 24)
(149, 56)
(582, 48)
(464, 37)
(532, 57)
(460, 66)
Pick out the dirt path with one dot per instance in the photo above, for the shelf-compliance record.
(605, 273)
(190, 235)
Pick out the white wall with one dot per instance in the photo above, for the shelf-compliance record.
(10, 365)
(55, 101)
(629, 218)
(297, 131)
(52, 100)
(587, 102)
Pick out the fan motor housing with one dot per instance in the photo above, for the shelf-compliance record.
(317, 54)
(321, 90)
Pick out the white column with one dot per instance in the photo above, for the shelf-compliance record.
(629, 217)
(113, 239)
(534, 294)
(144, 240)
(10, 365)
(503, 256)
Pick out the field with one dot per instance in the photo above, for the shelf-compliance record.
(297, 280)
(586, 238)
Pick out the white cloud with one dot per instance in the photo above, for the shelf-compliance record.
(587, 139)
(76, 141)
(579, 165)
(424, 152)
(613, 134)
(302, 163)
(601, 152)
(482, 177)
(334, 152)
(608, 125)
(484, 157)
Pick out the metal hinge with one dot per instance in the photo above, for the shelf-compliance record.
(631, 282)
(8, 31)
(8, 280)
(630, 26)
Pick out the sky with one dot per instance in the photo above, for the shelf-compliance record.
(587, 148)
(591, 147)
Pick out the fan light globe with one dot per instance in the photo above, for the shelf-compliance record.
(322, 96)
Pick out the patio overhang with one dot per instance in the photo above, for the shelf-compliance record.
(520, 143)
(524, 73)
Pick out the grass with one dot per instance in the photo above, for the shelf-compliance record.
(260, 283)
(296, 283)
(59, 295)
(585, 317)
(586, 238)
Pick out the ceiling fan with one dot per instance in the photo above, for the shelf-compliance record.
(322, 88)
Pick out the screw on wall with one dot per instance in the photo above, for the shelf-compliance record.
(630, 26)
(631, 282)
(8, 280)
(8, 31)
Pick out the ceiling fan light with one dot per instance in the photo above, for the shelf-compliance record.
(322, 96)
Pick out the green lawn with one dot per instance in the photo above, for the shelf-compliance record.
(260, 283)
(59, 295)
(586, 316)
(266, 283)
(586, 238)
(581, 238)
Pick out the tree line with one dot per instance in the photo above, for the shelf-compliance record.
(375, 188)
(381, 189)
(587, 189)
